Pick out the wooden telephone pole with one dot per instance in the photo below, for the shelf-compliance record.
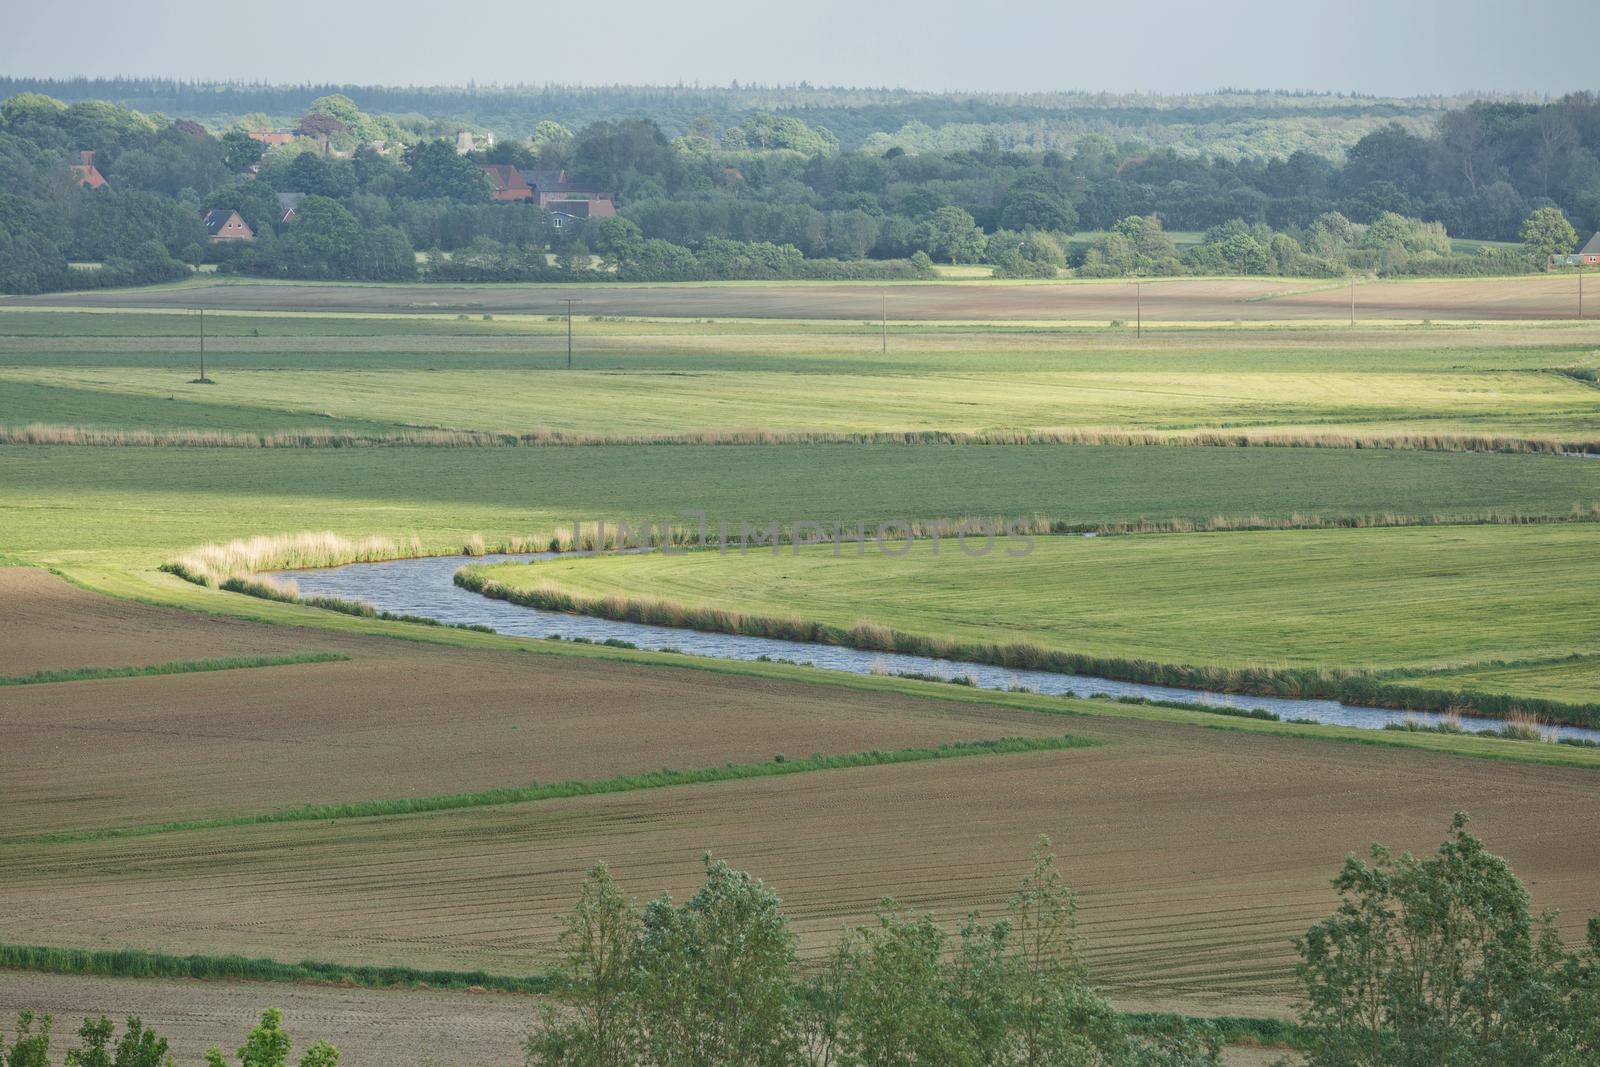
(569, 304)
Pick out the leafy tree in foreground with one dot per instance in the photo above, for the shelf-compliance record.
(1547, 233)
(716, 981)
(139, 1047)
(1439, 961)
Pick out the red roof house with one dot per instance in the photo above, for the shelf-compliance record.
(506, 182)
(224, 225)
(85, 173)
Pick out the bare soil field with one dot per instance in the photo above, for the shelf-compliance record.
(1199, 854)
(399, 719)
(371, 1027)
(51, 625)
(1166, 300)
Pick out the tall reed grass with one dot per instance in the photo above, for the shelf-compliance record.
(214, 564)
(54, 434)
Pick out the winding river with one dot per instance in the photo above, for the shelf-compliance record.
(425, 587)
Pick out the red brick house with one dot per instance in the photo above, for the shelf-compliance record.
(85, 173)
(506, 182)
(1589, 254)
(224, 225)
(553, 192)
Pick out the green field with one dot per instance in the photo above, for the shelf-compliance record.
(376, 373)
(1387, 598)
(139, 505)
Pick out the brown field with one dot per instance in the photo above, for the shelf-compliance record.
(399, 719)
(371, 1027)
(1167, 300)
(51, 625)
(1199, 853)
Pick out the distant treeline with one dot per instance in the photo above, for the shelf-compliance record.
(774, 196)
(1323, 121)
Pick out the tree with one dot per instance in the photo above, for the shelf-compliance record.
(139, 1047)
(716, 976)
(1438, 961)
(952, 235)
(28, 1048)
(1547, 233)
(240, 150)
(437, 171)
(598, 947)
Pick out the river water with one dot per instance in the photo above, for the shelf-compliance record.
(426, 587)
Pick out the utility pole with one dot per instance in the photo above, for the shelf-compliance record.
(1352, 299)
(202, 380)
(569, 304)
(884, 294)
(1138, 309)
(1580, 290)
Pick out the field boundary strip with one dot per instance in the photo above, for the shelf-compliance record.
(665, 778)
(200, 666)
(96, 437)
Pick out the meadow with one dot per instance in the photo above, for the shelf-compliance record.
(375, 374)
(1373, 599)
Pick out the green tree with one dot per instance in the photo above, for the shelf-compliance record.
(598, 947)
(1434, 961)
(139, 1047)
(1546, 232)
(952, 235)
(240, 150)
(320, 1054)
(716, 976)
(29, 1048)
(437, 172)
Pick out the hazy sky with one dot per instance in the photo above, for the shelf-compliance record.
(1374, 46)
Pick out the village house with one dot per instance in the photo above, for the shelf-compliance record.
(272, 138)
(223, 224)
(550, 190)
(85, 173)
(1587, 256)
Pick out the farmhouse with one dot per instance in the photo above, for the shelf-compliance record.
(506, 182)
(1587, 256)
(223, 224)
(271, 138)
(85, 173)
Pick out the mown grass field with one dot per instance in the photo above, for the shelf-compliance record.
(1373, 598)
(372, 373)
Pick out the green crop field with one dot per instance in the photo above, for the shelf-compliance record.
(138, 505)
(1384, 598)
(376, 373)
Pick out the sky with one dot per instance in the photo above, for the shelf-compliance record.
(1383, 47)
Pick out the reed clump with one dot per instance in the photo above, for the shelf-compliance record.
(238, 560)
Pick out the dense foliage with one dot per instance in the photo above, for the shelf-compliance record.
(716, 980)
(772, 194)
(267, 1045)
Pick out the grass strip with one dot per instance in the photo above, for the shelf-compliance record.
(195, 666)
(137, 963)
(624, 783)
